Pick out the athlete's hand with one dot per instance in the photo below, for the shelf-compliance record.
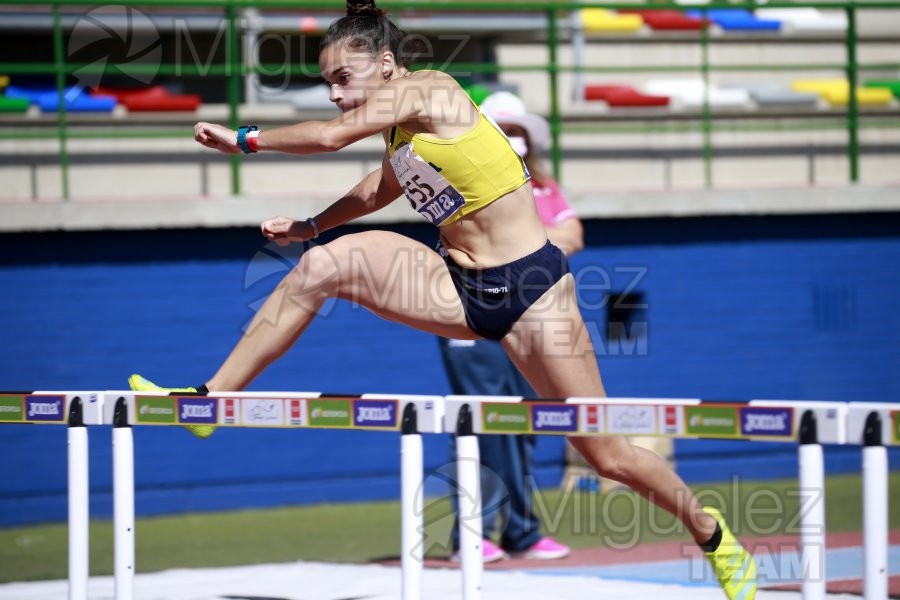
(217, 137)
(283, 231)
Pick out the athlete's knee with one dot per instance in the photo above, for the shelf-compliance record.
(317, 270)
(611, 458)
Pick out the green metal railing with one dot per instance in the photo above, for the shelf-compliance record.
(234, 69)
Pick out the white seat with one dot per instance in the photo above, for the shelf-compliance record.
(690, 93)
(305, 97)
(805, 20)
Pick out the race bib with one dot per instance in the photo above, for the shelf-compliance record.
(428, 192)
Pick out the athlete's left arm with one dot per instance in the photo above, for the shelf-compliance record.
(376, 191)
(396, 102)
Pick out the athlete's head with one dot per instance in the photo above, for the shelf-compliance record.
(362, 51)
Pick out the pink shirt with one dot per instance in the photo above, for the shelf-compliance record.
(551, 203)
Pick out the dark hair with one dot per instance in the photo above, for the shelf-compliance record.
(368, 28)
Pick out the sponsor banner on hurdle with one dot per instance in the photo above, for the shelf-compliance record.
(271, 410)
(676, 417)
(779, 420)
(717, 421)
(575, 416)
(49, 407)
(529, 417)
(757, 421)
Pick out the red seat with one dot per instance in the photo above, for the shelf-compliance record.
(668, 20)
(622, 96)
(152, 99)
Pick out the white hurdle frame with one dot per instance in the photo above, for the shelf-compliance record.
(77, 410)
(416, 415)
(79, 502)
(813, 423)
(123, 501)
(468, 476)
(874, 425)
(871, 425)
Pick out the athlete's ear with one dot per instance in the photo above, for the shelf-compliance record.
(387, 64)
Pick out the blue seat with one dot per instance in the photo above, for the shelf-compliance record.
(76, 100)
(736, 19)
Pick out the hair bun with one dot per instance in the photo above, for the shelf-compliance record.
(363, 8)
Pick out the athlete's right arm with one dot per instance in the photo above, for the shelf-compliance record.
(378, 189)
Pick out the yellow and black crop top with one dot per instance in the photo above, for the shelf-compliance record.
(446, 179)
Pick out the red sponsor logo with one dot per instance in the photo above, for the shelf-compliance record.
(295, 409)
(671, 418)
(593, 415)
(229, 410)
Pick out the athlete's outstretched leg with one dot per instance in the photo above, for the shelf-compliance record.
(395, 277)
(551, 347)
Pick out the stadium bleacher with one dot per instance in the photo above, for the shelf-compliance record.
(661, 45)
(151, 99)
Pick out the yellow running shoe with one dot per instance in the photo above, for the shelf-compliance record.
(139, 384)
(735, 568)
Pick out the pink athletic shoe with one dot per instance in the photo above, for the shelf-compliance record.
(490, 552)
(545, 549)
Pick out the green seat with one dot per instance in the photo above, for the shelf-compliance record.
(13, 105)
(891, 84)
(477, 92)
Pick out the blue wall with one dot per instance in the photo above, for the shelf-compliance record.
(737, 308)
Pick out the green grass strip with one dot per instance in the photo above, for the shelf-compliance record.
(362, 532)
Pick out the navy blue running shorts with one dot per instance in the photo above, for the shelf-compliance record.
(495, 298)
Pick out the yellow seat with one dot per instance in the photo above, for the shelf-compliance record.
(4, 81)
(602, 20)
(864, 96)
(837, 91)
(818, 86)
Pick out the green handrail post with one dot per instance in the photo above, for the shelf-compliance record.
(59, 61)
(553, 72)
(233, 58)
(852, 104)
(707, 111)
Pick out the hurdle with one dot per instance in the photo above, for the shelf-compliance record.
(874, 426)
(808, 423)
(410, 415)
(76, 410)
(811, 424)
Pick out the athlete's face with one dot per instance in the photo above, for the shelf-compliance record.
(352, 74)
